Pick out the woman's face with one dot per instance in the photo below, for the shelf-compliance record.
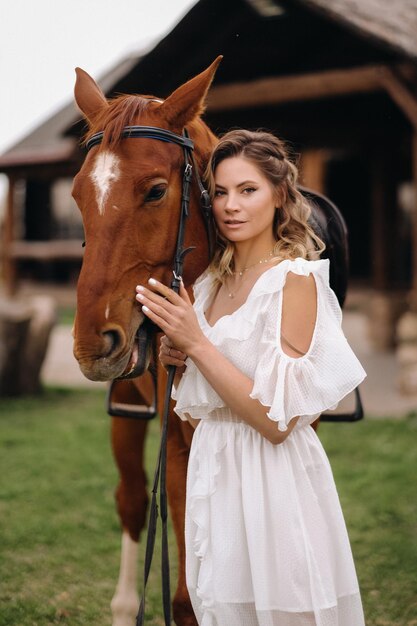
(244, 201)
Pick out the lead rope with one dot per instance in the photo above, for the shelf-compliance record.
(160, 472)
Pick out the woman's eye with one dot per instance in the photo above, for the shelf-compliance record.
(249, 190)
(218, 192)
(155, 193)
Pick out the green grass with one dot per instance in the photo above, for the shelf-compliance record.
(59, 532)
(60, 537)
(375, 467)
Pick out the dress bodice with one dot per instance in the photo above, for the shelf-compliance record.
(250, 338)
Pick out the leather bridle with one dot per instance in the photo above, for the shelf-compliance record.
(161, 134)
(184, 141)
(143, 335)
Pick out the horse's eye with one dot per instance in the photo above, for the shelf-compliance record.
(155, 193)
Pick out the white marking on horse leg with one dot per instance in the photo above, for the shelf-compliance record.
(125, 602)
(107, 311)
(105, 172)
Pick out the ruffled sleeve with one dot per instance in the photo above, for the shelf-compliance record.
(317, 381)
(194, 396)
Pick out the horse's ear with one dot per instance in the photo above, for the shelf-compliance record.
(187, 102)
(88, 95)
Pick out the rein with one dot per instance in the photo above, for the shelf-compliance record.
(144, 340)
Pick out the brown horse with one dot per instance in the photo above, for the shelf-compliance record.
(129, 195)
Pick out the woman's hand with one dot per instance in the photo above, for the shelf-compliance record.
(173, 313)
(169, 355)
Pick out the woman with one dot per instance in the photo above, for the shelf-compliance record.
(266, 541)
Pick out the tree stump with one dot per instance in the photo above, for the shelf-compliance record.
(25, 328)
(407, 353)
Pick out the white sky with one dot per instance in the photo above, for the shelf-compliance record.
(42, 41)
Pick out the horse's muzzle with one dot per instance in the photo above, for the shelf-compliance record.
(113, 355)
(107, 357)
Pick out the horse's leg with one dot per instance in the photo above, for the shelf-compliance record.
(178, 448)
(128, 436)
(314, 425)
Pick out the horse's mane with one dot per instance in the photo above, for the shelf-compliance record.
(125, 109)
(121, 111)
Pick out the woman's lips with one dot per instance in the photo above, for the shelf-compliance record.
(233, 224)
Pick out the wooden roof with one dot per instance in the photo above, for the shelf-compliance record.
(391, 22)
(259, 39)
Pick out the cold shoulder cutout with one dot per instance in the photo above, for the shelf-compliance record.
(250, 338)
(299, 313)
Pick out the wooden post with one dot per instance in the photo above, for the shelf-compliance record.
(407, 326)
(405, 99)
(313, 169)
(8, 262)
(413, 293)
(384, 185)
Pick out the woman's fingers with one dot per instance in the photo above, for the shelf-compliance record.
(160, 321)
(176, 354)
(164, 291)
(160, 310)
(168, 350)
(165, 341)
(168, 355)
(171, 361)
(146, 296)
(160, 306)
(173, 313)
(184, 294)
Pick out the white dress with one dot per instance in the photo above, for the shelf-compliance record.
(266, 541)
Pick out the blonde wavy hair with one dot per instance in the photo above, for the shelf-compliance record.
(294, 236)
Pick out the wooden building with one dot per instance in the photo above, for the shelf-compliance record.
(337, 79)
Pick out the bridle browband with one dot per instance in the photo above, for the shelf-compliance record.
(184, 141)
(146, 132)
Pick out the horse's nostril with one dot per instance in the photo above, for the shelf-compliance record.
(111, 341)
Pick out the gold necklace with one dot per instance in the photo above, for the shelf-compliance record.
(232, 294)
(245, 269)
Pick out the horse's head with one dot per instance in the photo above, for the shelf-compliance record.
(129, 193)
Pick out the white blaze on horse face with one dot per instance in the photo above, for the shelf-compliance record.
(105, 172)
